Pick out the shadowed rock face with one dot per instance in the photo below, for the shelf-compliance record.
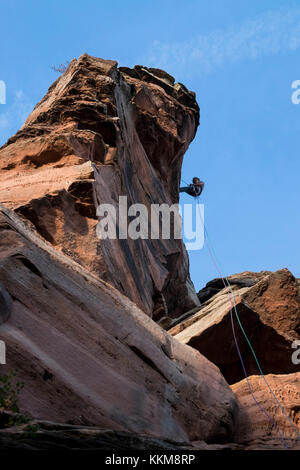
(46, 435)
(268, 305)
(100, 133)
(5, 304)
(88, 355)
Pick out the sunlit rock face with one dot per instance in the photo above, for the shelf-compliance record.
(87, 355)
(255, 429)
(99, 133)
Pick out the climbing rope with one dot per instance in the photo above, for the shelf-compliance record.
(227, 286)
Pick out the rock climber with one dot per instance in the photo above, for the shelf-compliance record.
(194, 189)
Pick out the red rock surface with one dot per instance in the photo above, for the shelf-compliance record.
(269, 309)
(88, 355)
(254, 430)
(135, 126)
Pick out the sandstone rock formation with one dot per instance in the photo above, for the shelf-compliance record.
(46, 435)
(268, 305)
(100, 133)
(254, 430)
(5, 304)
(104, 373)
(88, 355)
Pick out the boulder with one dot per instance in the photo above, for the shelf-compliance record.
(268, 305)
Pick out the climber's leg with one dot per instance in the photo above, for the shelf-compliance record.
(190, 190)
(185, 189)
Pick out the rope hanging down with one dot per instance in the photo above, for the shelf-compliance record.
(231, 296)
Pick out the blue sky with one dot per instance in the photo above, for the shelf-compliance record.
(239, 57)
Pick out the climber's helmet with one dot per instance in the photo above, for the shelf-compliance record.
(196, 181)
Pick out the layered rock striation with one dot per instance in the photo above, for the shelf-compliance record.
(88, 356)
(100, 133)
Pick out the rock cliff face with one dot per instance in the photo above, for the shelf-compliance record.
(91, 360)
(254, 430)
(100, 133)
(268, 305)
(87, 355)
